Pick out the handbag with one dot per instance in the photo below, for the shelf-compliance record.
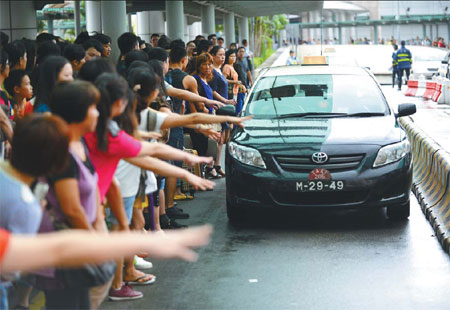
(228, 110)
(89, 275)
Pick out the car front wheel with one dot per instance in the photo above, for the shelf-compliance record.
(235, 213)
(398, 212)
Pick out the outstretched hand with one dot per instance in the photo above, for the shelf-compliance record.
(239, 121)
(192, 160)
(199, 183)
(180, 243)
(210, 133)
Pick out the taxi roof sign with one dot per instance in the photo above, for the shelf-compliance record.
(315, 60)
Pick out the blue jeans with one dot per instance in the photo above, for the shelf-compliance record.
(4, 296)
(240, 102)
(128, 203)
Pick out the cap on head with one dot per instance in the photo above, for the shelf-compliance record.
(403, 43)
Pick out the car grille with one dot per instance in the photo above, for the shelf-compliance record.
(305, 164)
(319, 198)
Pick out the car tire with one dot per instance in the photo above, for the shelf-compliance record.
(398, 212)
(234, 213)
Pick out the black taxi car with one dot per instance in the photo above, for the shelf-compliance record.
(321, 136)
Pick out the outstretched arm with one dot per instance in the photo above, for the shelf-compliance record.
(167, 170)
(186, 95)
(71, 248)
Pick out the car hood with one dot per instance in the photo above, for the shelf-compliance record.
(267, 133)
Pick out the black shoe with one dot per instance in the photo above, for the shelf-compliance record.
(175, 213)
(175, 225)
(164, 221)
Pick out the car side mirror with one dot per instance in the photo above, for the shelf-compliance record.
(406, 109)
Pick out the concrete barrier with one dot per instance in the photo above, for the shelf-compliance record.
(431, 181)
(416, 88)
(430, 90)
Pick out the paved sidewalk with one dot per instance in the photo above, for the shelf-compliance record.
(432, 118)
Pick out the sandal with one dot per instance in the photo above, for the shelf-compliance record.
(210, 175)
(143, 280)
(179, 197)
(219, 171)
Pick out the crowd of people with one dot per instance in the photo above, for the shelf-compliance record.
(92, 144)
(437, 42)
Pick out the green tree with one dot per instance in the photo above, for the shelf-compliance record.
(265, 27)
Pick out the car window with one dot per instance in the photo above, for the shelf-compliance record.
(279, 95)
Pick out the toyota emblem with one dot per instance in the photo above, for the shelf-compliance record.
(319, 157)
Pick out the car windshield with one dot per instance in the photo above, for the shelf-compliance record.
(321, 94)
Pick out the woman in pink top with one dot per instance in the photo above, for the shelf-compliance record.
(109, 143)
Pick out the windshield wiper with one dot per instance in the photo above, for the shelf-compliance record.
(321, 114)
(366, 114)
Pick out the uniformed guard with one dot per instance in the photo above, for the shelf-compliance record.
(394, 65)
(404, 61)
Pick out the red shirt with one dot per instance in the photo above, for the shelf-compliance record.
(105, 163)
(4, 242)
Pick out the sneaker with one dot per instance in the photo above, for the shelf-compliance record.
(126, 292)
(141, 263)
(175, 213)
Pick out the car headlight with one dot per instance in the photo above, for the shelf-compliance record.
(246, 155)
(392, 153)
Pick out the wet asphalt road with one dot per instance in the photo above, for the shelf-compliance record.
(303, 260)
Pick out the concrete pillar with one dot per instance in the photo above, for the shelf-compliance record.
(150, 22)
(208, 20)
(230, 36)
(194, 30)
(424, 31)
(77, 17)
(243, 29)
(18, 19)
(344, 31)
(114, 23)
(186, 30)
(129, 22)
(352, 31)
(448, 32)
(143, 25)
(50, 28)
(375, 34)
(93, 16)
(330, 31)
(175, 19)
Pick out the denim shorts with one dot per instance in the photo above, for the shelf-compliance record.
(128, 203)
(176, 140)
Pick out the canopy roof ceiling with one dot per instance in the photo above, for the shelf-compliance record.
(240, 8)
(266, 8)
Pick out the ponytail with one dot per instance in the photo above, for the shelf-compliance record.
(112, 87)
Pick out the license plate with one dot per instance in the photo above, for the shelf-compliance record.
(319, 186)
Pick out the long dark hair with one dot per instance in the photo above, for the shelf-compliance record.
(128, 120)
(48, 77)
(148, 81)
(112, 87)
(157, 67)
(228, 54)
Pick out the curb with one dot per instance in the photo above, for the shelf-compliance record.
(431, 180)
